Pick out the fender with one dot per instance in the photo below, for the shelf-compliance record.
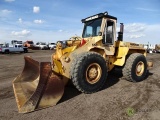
(99, 50)
(121, 56)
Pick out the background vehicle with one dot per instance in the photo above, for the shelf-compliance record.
(13, 42)
(0, 49)
(52, 46)
(28, 43)
(13, 48)
(85, 61)
(2, 45)
(150, 48)
(42, 45)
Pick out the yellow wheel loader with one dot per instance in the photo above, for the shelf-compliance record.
(85, 61)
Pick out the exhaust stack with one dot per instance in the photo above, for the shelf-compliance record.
(120, 34)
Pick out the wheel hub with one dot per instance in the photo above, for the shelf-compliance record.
(140, 68)
(93, 73)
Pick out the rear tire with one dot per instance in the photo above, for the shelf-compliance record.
(135, 68)
(89, 72)
(25, 51)
(6, 51)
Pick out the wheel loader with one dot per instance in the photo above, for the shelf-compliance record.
(85, 61)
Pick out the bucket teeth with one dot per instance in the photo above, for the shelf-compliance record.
(37, 86)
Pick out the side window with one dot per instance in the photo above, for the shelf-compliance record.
(108, 33)
(16, 46)
(98, 30)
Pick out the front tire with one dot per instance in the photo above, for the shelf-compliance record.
(135, 68)
(89, 72)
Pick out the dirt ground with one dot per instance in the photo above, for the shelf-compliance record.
(142, 98)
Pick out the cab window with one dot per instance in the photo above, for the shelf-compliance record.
(92, 28)
(108, 36)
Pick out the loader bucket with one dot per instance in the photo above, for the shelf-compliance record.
(37, 86)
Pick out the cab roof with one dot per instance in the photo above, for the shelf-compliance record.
(100, 15)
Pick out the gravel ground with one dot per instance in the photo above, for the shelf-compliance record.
(111, 103)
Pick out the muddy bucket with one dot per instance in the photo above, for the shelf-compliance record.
(37, 86)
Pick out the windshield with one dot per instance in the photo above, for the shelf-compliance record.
(30, 42)
(19, 42)
(43, 43)
(92, 28)
(51, 43)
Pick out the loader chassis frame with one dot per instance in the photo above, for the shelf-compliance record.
(114, 52)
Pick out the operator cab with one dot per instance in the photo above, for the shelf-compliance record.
(100, 24)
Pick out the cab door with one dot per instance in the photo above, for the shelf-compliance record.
(109, 36)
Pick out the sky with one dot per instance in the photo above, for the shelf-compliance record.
(53, 20)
